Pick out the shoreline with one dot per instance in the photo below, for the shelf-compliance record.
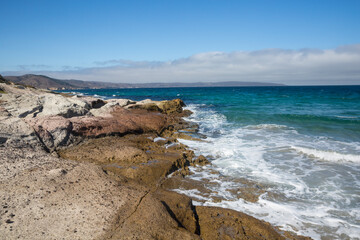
(96, 169)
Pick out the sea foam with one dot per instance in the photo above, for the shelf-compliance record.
(327, 155)
(311, 198)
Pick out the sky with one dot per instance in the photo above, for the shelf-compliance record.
(294, 42)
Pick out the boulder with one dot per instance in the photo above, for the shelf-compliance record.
(53, 131)
(53, 104)
(172, 106)
(105, 110)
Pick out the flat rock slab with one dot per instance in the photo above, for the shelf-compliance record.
(52, 198)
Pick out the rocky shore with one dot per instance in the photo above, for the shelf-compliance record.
(83, 168)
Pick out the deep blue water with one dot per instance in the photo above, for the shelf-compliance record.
(302, 143)
(332, 111)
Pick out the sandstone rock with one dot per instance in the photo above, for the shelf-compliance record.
(151, 220)
(180, 208)
(43, 197)
(153, 107)
(171, 107)
(168, 107)
(133, 156)
(58, 131)
(107, 150)
(219, 223)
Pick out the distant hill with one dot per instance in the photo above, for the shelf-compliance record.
(3, 80)
(45, 82)
(206, 84)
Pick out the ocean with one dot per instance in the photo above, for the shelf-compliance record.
(297, 149)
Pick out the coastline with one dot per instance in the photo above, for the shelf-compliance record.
(84, 168)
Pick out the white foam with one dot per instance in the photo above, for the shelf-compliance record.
(267, 126)
(327, 155)
(157, 139)
(318, 198)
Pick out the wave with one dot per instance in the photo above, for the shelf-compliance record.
(327, 155)
(266, 126)
(317, 118)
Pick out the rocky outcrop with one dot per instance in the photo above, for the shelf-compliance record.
(78, 168)
(28, 102)
(58, 131)
(168, 107)
(217, 223)
(135, 157)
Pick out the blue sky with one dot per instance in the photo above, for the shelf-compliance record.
(66, 37)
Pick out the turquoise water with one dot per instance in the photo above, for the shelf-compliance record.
(332, 111)
(301, 144)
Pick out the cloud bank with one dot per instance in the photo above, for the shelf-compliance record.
(293, 67)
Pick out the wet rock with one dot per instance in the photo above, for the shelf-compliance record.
(180, 207)
(151, 220)
(200, 161)
(219, 223)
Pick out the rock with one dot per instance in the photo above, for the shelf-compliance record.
(106, 150)
(105, 110)
(200, 161)
(172, 107)
(53, 131)
(51, 198)
(153, 107)
(122, 122)
(28, 102)
(62, 106)
(133, 156)
(57, 131)
(94, 103)
(120, 102)
(219, 223)
(180, 208)
(168, 107)
(149, 122)
(14, 131)
(151, 220)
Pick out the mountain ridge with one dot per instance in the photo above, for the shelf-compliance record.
(45, 82)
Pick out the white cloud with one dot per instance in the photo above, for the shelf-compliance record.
(305, 66)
